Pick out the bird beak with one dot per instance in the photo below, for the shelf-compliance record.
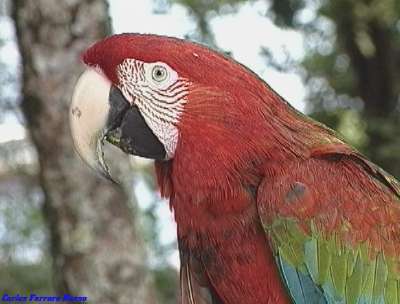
(100, 112)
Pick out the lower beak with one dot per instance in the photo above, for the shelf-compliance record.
(100, 112)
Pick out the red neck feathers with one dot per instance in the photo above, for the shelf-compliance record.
(231, 128)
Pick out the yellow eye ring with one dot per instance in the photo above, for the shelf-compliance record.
(159, 73)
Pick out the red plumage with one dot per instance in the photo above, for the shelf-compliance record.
(240, 148)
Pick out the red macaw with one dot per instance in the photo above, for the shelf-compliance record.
(271, 206)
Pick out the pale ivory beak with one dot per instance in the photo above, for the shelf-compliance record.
(89, 112)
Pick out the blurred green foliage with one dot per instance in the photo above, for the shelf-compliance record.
(24, 261)
(167, 285)
(23, 279)
(360, 72)
(201, 11)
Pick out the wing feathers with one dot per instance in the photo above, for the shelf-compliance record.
(337, 241)
(300, 285)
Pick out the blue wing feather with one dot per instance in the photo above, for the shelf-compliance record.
(301, 287)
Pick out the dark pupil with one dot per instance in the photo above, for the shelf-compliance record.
(159, 73)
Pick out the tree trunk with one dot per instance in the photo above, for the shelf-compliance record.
(96, 249)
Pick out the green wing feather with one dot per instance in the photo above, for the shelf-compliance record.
(342, 267)
(344, 274)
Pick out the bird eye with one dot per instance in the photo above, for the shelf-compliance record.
(159, 73)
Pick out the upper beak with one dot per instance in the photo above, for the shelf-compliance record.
(89, 118)
(100, 112)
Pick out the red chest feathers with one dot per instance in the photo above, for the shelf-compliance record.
(225, 234)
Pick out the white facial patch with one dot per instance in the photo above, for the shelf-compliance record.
(159, 93)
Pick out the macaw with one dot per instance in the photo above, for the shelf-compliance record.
(270, 205)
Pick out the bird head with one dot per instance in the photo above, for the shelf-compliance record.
(155, 96)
